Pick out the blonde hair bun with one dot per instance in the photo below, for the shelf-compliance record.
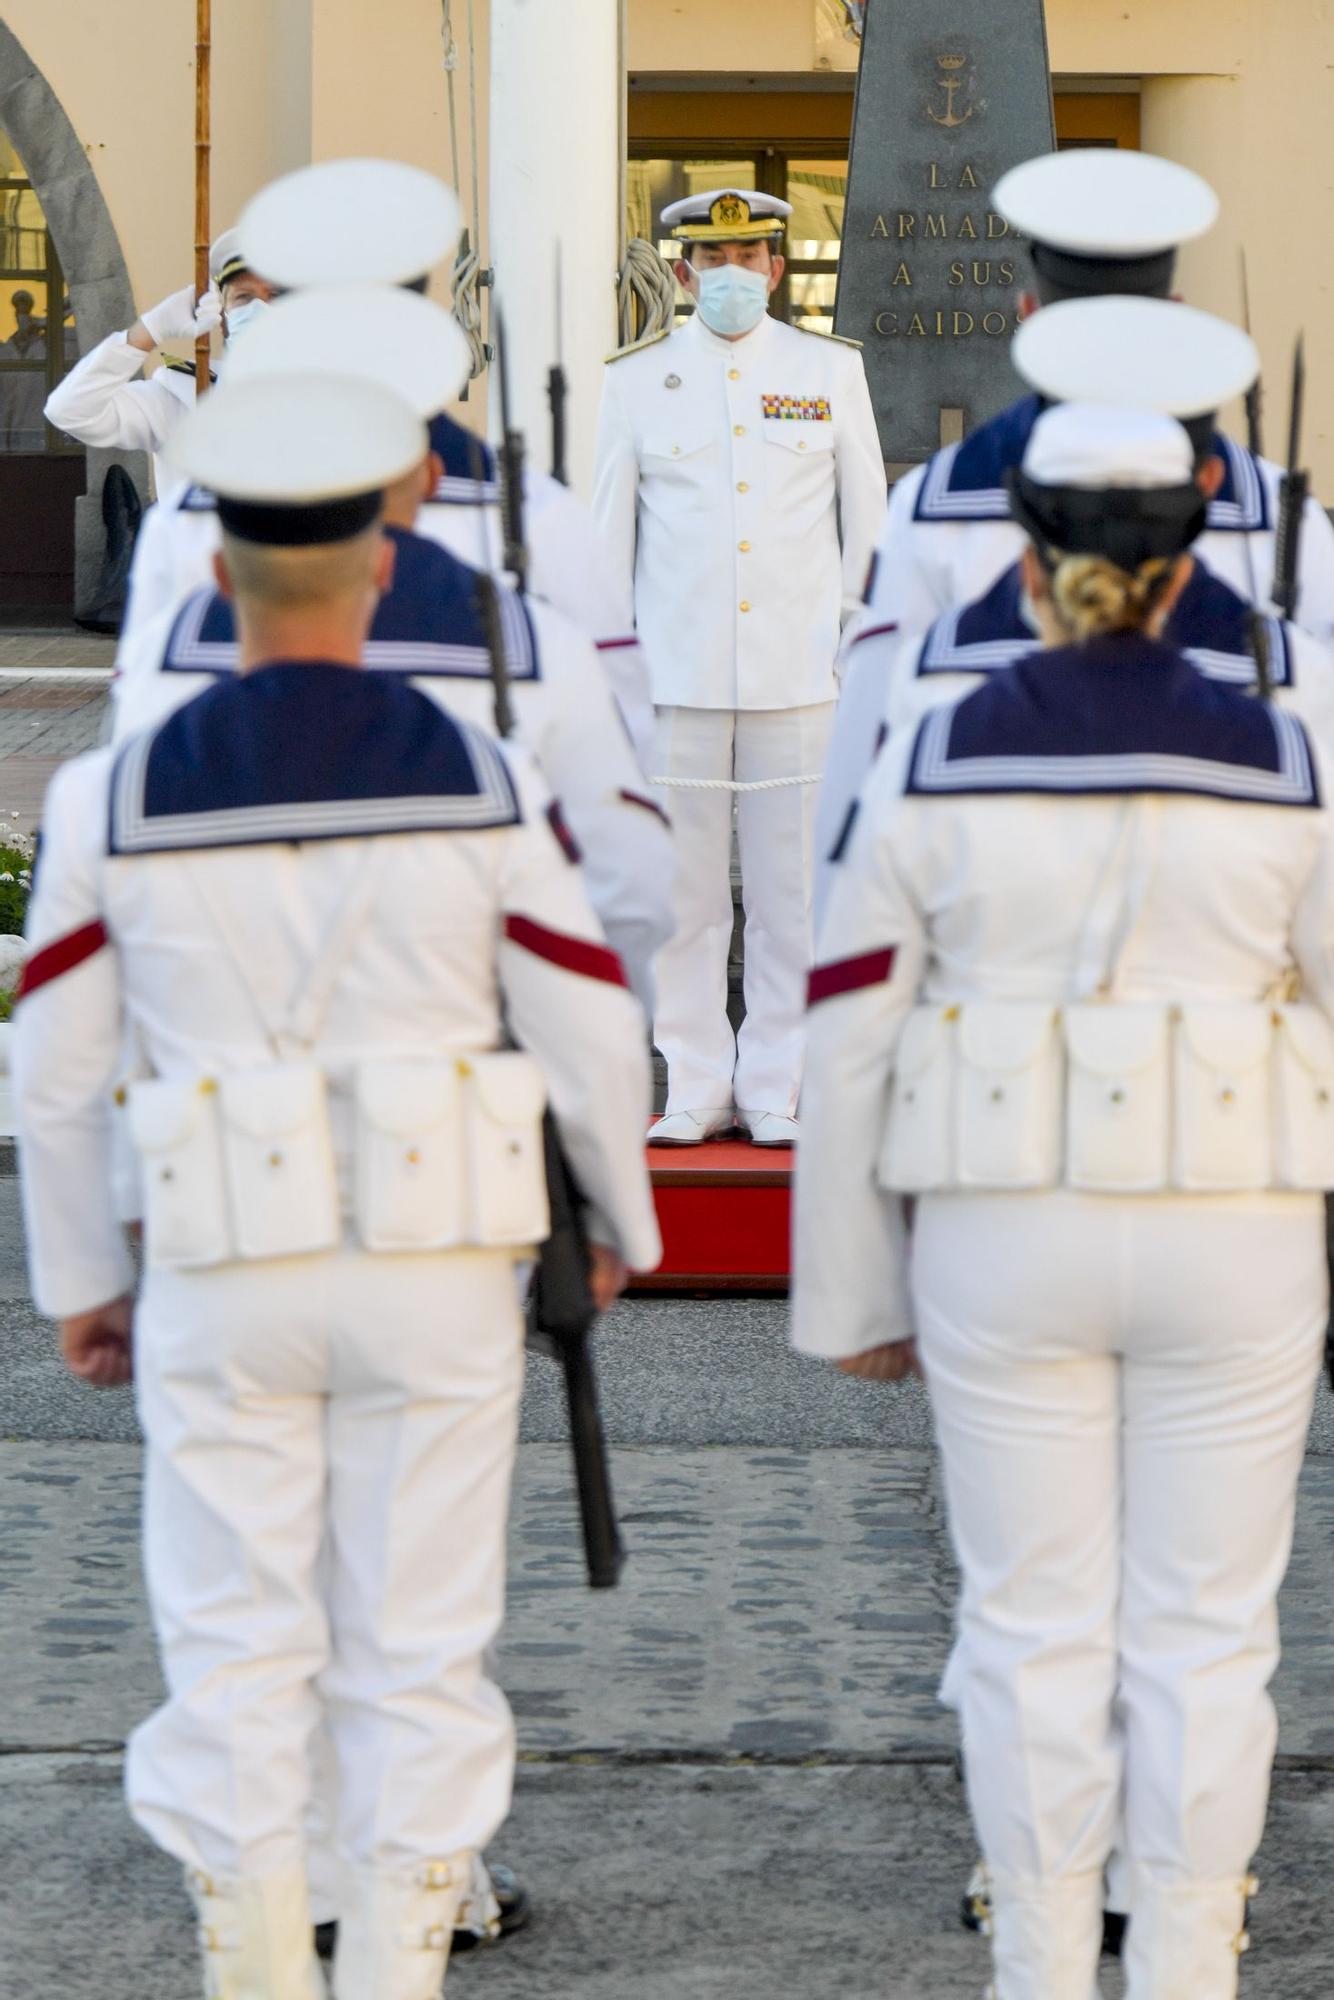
(1093, 597)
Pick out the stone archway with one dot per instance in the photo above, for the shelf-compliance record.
(90, 255)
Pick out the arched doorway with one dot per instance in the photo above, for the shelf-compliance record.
(53, 219)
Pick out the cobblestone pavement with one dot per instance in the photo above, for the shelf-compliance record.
(45, 716)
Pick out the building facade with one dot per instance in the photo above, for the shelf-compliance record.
(97, 193)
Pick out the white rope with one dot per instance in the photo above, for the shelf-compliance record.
(645, 279)
(467, 273)
(732, 784)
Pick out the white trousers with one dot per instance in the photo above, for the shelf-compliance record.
(1121, 1389)
(330, 1443)
(708, 1067)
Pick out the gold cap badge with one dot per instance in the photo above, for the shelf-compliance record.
(730, 211)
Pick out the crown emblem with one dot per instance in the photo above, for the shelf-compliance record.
(951, 62)
(729, 211)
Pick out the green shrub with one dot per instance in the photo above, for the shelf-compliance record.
(15, 885)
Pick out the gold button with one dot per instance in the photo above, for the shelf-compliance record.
(734, 374)
(745, 605)
(744, 548)
(742, 487)
(676, 451)
(413, 1157)
(275, 1159)
(801, 444)
(738, 430)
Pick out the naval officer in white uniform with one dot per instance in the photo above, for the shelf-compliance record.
(1074, 991)
(739, 487)
(103, 402)
(1097, 222)
(312, 894)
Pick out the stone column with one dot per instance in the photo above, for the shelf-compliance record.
(556, 85)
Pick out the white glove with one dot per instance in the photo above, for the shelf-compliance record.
(178, 319)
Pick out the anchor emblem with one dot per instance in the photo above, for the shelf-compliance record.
(951, 83)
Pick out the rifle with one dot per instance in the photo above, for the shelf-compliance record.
(556, 389)
(560, 1310)
(1294, 494)
(1255, 394)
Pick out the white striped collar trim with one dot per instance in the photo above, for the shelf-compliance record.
(454, 490)
(936, 502)
(943, 652)
(133, 831)
(1293, 784)
(1249, 511)
(188, 653)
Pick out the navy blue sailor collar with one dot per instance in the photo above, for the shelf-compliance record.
(427, 624)
(460, 453)
(304, 750)
(1210, 624)
(1125, 714)
(966, 481)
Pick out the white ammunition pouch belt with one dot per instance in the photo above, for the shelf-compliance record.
(1107, 1095)
(1114, 1098)
(446, 1151)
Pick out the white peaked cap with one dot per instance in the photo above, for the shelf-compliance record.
(374, 333)
(365, 222)
(285, 442)
(1099, 446)
(226, 252)
(1097, 201)
(1148, 353)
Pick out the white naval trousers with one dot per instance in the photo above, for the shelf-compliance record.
(708, 1067)
(1121, 1390)
(330, 1442)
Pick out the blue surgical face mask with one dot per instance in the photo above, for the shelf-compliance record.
(731, 298)
(244, 316)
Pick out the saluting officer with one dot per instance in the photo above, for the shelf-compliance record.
(1098, 222)
(1160, 355)
(739, 487)
(1074, 993)
(102, 403)
(381, 222)
(429, 622)
(311, 894)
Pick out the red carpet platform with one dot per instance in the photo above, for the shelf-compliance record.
(723, 1209)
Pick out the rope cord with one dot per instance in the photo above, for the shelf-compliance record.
(645, 279)
(733, 784)
(466, 275)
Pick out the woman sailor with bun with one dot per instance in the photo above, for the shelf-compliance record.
(1073, 992)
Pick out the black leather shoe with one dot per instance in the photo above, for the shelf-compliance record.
(515, 1910)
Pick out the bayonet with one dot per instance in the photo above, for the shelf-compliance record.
(1294, 494)
(556, 386)
(511, 457)
(1255, 394)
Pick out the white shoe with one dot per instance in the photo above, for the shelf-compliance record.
(691, 1128)
(395, 1929)
(769, 1128)
(256, 1937)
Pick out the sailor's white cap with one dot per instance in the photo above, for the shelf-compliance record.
(366, 222)
(1100, 446)
(726, 215)
(1152, 353)
(375, 333)
(225, 259)
(298, 461)
(1097, 201)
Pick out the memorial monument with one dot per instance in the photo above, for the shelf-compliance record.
(950, 93)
